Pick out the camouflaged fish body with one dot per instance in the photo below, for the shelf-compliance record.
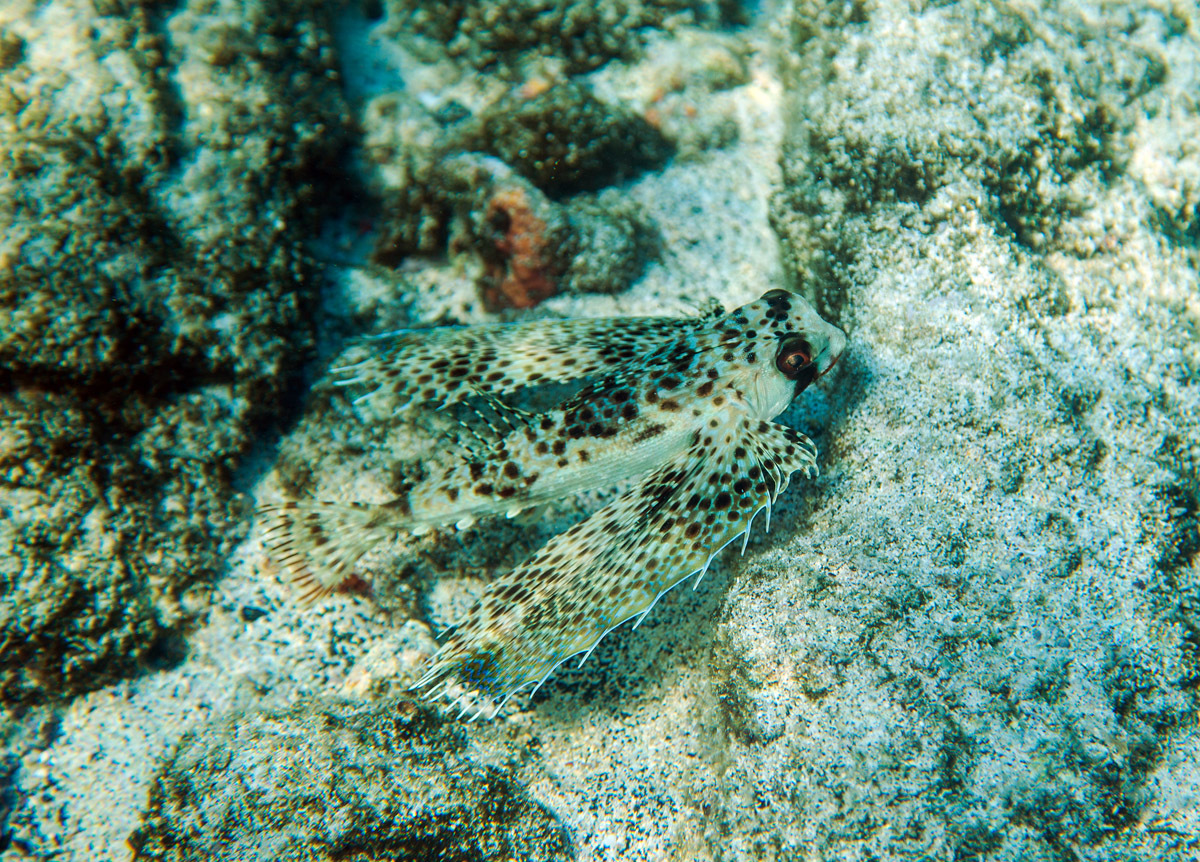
(683, 404)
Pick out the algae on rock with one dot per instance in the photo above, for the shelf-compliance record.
(157, 183)
(981, 641)
(583, 36)
(331, 780)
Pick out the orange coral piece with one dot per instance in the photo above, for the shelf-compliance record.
(526, 274)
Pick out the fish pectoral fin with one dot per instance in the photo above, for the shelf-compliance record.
(487, 420)
(616, 564)
(319, 543)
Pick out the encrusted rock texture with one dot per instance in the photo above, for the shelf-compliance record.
(156, 191)
(981, 639)
(335, 780)
(974, 637)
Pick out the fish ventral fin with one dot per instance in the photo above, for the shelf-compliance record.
(616, 564)
(320, 543)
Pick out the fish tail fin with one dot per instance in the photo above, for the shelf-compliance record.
(319, 543)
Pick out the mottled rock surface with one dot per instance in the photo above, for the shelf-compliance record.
(503, 174)
(982, 642)
(582, 36)
(332, 780)
(157, 177)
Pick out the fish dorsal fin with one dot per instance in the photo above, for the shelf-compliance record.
(436, 368)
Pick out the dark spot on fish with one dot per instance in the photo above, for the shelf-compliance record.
(648, 432)
(401, 503)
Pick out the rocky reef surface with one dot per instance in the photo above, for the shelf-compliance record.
(974, 637)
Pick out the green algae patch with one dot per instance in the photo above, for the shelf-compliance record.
(565, 140)
(583, 36)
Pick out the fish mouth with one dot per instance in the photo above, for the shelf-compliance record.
(818, 369)
(806, 377)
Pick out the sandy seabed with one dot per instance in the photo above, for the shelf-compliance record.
(974, 636)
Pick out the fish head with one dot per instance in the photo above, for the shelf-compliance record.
(773, 349)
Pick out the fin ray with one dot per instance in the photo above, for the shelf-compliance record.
(319, 543)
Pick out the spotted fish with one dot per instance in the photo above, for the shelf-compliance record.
(682, 406)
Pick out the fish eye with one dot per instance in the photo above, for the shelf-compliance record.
(795, 355)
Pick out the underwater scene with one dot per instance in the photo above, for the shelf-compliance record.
(617, 430)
